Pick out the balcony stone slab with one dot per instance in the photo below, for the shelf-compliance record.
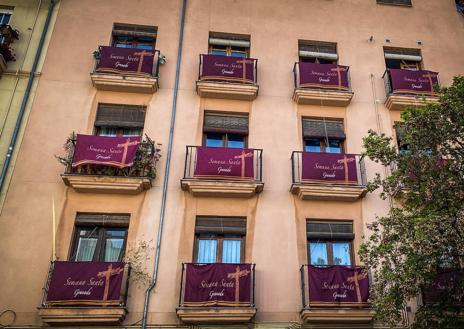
(124, 83)
(400, 102)
(107, 184)
(237, 91)
(322, 97)
(216, 315)
(328, 192)
(228, 189)
(340, 315)
(76, 316)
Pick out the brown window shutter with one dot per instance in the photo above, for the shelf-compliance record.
(92, 219)
(220, 225)
(317, 46)
(117, 115)
(223, 123)
(320, 128)
(395, 2)
(329, 230)
(135, 30)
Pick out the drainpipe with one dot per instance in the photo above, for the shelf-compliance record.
(167, 169)
(27, 92)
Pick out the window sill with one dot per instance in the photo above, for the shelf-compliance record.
(82, 315)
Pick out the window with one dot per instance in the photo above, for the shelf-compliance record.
(219, 240)
(4, 18)
(399, 130)
(99, 237)
(317, 52)
(395, 2)
(134, 36)
(330, 242)
(119, 120)
(403, 58)
(226, 44)
(225, 130)
(323, 135)
(460, 6)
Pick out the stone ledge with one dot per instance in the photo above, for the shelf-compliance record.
(328, 192)
(322, 97)
(337, 315)
(82, 315)
(238, 91)
(400, 102)
(216, 314)
(228, 189)
(124, 83)
(107, 184)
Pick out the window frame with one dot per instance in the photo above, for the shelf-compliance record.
(229, 50)
(329, 243)
(101, 241)
(323, 144)
(219, 249)
(225, 139)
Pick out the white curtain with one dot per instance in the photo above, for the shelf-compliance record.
(318, 253)
(231, 251)
(86, 249)
(341, 253)
(207, 251)
(113, 249)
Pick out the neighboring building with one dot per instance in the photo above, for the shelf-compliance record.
(265, 185)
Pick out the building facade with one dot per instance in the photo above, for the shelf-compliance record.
(225, 133)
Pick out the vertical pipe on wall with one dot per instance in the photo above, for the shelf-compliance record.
(27, 92)
(167, 169)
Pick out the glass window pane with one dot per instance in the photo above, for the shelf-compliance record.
(238, 54)
(127, 132)
(231, 251)
(86, 249)
(113, 249)
(107, 131)
(236, 141)
(207, 251)
(318, 253)
(214, 140)
(312, 145)
(341, 253)
(335, 146)
(219, 52)
(146, 46)
(5, 18)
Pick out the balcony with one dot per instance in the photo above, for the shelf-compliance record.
(7, 37)
(217, 293)
(328, 176)
(99, 164)
(222, 172)
(227, 77)
(322, 84)
(85, 293)
(125, 70)
(409, 88)
(335, 295)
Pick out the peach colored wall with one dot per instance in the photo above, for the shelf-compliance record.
(66, 101)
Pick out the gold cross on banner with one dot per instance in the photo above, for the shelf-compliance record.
(107, 275)
(142, 55)
(244, 62)
(242, 159)
(345, 161)
(339, 69)
(429, 76)
(355, 279)
(126, 145)
(237, 275)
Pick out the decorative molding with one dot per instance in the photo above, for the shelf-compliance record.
(347, 193)
(337, 315)
(216, 314)
(82, 315)
(107, 184)
(227, 189)
(227, 90)
(322, 97)
(123, 83)
(400, 102)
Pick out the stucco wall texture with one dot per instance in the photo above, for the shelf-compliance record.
(66, 101)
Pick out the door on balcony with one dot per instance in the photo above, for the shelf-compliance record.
(225, 130)
(99, 237)
(330, 242)
(317, 52)
(403, 58)
(219, 240)
(323, 135)
(134, 36)
(226, 44)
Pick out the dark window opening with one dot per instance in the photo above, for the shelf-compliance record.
(323, 135)
(403, 58)
(227, 44)
(222, 130)
(134, 36)
(317, 52)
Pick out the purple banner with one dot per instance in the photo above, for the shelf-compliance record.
(442, 286)
(85, 283)
(226, 163)
(102, 150)
(218, 285)
(338, 284)
(322, 76)
(126, 61)
(227, 69)
(329, 167)
(413, 82)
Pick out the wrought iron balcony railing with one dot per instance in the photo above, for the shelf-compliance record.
(330, 77)
(228, 69)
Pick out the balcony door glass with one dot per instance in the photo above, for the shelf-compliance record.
(312, 145)
(335, 146)
(114, 245)
(341, 253)
(235, 141)
(86, 245)
(214, 140)
(318, 253)
(4, 18)
(207, 251)
(231, 251)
